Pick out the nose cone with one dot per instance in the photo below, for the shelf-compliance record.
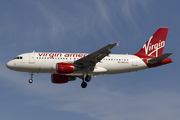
(10, 65)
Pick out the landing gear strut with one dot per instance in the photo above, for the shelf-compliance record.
(31, 79)
(87, 79)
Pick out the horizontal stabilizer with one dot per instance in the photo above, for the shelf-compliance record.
(159, 58)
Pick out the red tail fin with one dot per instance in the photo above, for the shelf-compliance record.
(155, 45)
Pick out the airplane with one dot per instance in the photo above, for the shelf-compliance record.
(65, 67)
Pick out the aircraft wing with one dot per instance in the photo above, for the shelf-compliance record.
(88, 62)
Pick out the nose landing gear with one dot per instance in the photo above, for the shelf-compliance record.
(31, 79)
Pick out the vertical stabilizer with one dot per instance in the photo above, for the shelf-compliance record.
(155, 45)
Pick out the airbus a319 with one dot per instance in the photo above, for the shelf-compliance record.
(65, 67)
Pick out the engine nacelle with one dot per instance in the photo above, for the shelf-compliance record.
(60, 79)
(65, 68)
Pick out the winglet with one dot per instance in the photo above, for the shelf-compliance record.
(118, 43)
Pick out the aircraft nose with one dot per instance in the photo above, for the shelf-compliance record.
(9, 65)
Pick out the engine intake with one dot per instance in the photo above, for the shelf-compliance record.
(60, 79)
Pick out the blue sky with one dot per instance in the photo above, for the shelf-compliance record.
(85, 26)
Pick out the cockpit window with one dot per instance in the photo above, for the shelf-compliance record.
(19, 57)
(16, 58)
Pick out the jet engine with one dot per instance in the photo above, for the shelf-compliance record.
(59, 79)
(64, 68)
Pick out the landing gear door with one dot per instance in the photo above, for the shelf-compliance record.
(31, 58)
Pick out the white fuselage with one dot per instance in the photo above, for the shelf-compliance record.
(38, 62)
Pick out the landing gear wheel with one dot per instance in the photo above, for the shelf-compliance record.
(30, 80)
(88, 78)
(83, 84)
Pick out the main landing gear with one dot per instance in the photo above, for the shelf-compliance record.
(31, 79)
(87, 79)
